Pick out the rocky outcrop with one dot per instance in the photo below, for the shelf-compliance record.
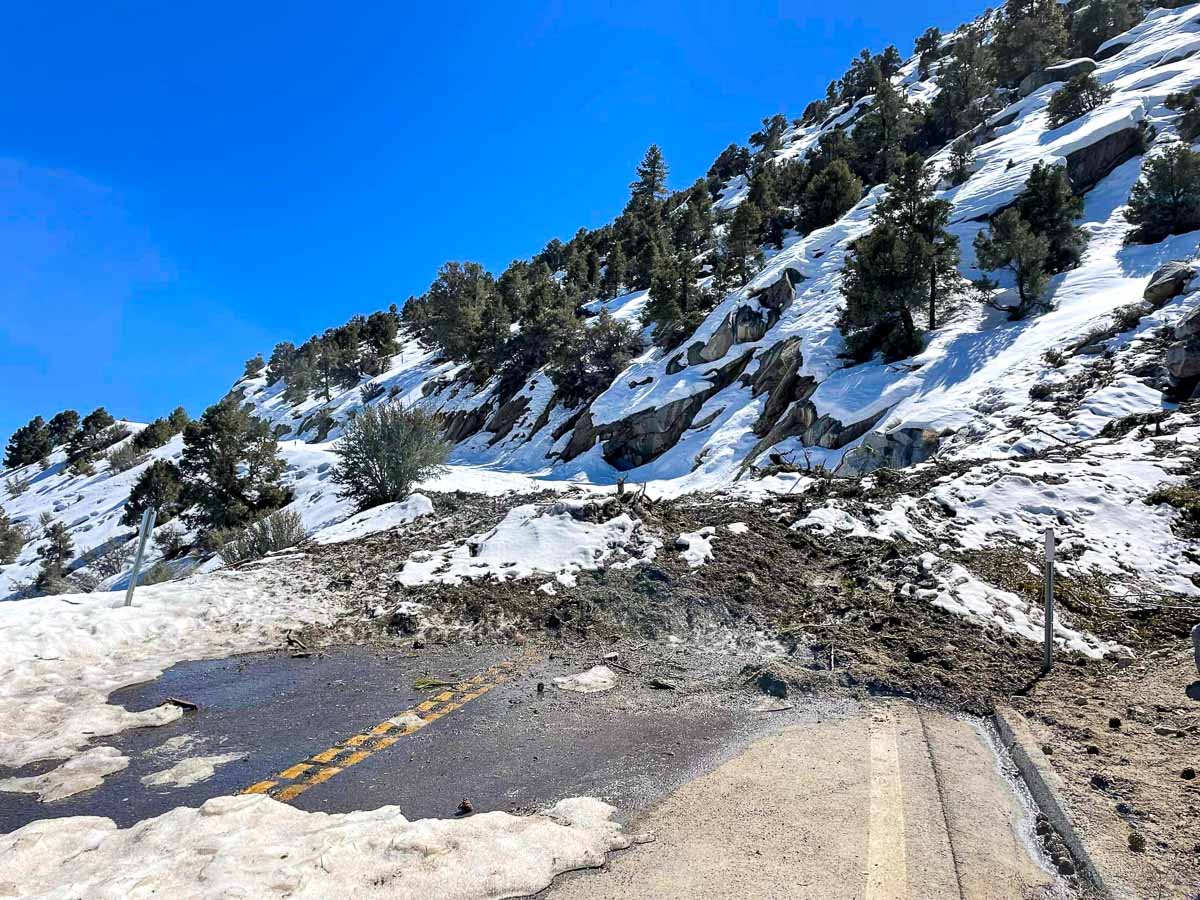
(745, 324)
(641, 437)
(462, 423)
(1168, 281)
(1087, 165)
(893, 449)
(1183, 356)
(501, 423)
(1063, 71)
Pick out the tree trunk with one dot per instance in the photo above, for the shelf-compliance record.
(932, 297)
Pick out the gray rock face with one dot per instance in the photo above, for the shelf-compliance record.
(1183, 359)
(644, 435)
(745, 325)
(1189, 326)
(501, 423)
(1168, 281)
(894, 449)
(1087, 165)
(1063, 71)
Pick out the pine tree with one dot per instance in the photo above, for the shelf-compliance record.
(1078, 96)
(160, 487)
(612, 283)
(1166, 199)
(829, 195)
(909, 260)
(12, 540)
(881, 134)
(962, 154)
(740, 253)
(29, 444)
(254, 365)
(665, 306)
(651, 182)
(1100, 20)
(770, 138)
(693, 220)
(1012, 245)
(62, 425)
(1030, 35)
(92, 434)
(966, 89)
(1050, 207)
(587, 362)
(55, 554)
(231, 467)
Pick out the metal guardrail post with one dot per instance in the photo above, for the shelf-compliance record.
(147, 529)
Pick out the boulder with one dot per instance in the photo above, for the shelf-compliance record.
(894, 449)
(1167, 282)
(1189, 326)
(1087, 165)
(501, 423)
(1183, 359)
(1063, 71)
(715, 347)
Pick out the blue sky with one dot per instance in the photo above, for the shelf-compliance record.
(185, 184)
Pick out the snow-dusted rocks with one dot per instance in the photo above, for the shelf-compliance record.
(695, 547)
(1063, 71)
(1169, 281)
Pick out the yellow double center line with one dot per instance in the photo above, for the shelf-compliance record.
(320, 767)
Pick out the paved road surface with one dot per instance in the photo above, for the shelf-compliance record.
(829, 799)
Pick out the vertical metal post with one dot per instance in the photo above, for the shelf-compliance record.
(146, 530)
(1048, 652)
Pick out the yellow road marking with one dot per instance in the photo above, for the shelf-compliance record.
(358, 747)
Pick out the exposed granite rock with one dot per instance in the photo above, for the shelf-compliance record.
(1063, 71)
(1087, 165)
(502, 421)
(893, 449)
(1168, 282)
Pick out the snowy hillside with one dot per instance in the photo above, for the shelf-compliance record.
(762, 378)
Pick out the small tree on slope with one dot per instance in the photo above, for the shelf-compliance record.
(385, 450)
(1012, 245)
(1166, 199)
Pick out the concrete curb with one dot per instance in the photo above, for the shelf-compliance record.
(1046, 787)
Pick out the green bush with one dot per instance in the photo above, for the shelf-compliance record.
(277, 531)
(385, 450)
(155, 434)
(1080, 95)
(160, 487)
(13, 539)
(1184, 498)
(1166, 199)
(15, 486)
(124, 458)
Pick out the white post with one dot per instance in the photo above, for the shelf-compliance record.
(1048, 652)
(146, 530)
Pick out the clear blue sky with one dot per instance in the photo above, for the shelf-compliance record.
(185, 184)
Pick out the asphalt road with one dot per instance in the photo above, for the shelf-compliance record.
(831, 798)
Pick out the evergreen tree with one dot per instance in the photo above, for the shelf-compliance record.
(612, 283)
(231, 467)
(740, 253)
(494, 332)
(1187, 103)
(55, 554)
(1078, 96)
(651, 183)
(829, 195)
(62, 425)
(590, 359)
(1050, 207)
(92, 436)
(29, 444)
(456, 301)
(1099, 20)
(1012, 245)
(381, 330)
(1166, 199)
(160, 487)
(693, 220)
(770, 138)
(731, 162)
(909, 260)
(178, 419)
(962, 154)
(890, 61)
(665, 306)
(1030, 35)
(12, 540)
(881, 134)
(253, 366)
(966, 90)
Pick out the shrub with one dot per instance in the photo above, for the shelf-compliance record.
(110, 558)
(1187, 103)
(13, 539)
(157, 574)
(1183, 497)
(15, 486)
(277, 531)
(386, 450)
(82, 466)
(1166, 199)
(1130, 315)
(1080, 95)
(372, 390)
(124, 458)
(159, 487)
(1055, 357)
(1041, 391)
(171, 541)
(55, 553)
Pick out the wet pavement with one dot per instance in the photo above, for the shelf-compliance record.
(511, 748)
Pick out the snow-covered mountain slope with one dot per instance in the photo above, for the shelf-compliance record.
(762, 375)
